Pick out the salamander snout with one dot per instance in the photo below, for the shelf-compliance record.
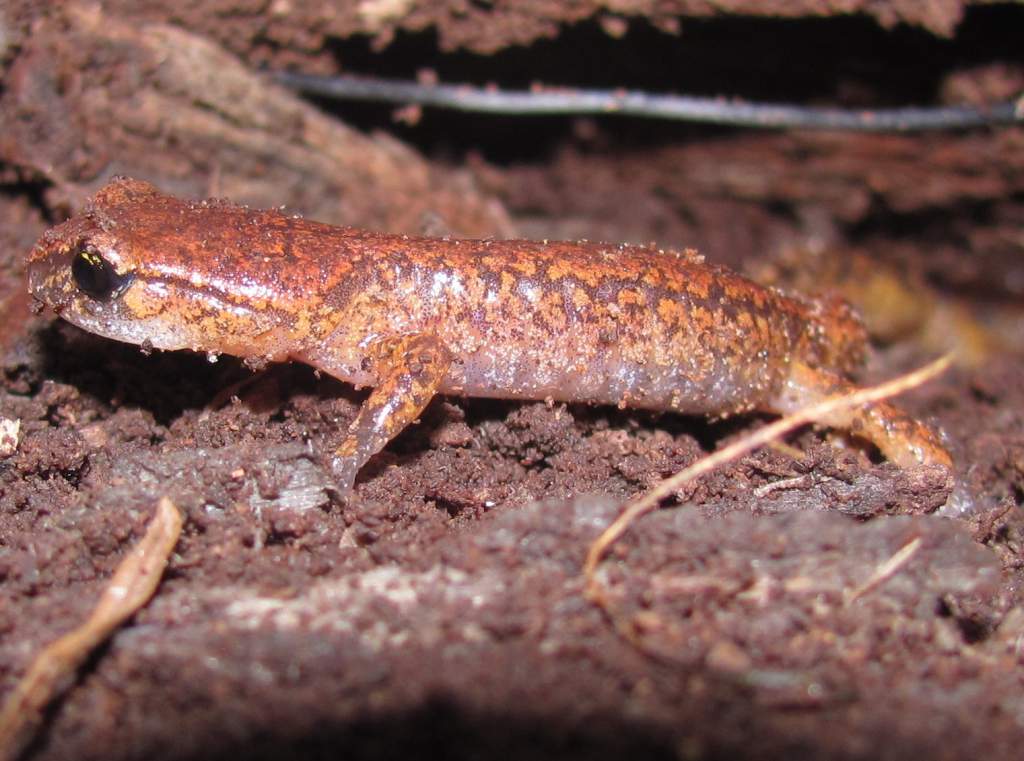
(99, 272)
(76, 265)
(80, 272)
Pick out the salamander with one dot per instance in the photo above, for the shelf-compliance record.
(413, 317)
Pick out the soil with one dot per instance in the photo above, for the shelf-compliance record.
(440, 610)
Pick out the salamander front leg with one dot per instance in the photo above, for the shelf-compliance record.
(898, 436)
(409, 370)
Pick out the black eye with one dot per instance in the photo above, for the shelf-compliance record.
(96, 276)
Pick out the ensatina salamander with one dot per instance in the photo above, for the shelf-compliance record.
(414, 317)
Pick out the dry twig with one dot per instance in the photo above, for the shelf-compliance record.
(53, 669)
(886, 570)
(649, 501)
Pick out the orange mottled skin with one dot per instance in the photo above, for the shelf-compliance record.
(413, 317)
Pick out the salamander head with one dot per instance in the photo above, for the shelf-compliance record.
(128, 268)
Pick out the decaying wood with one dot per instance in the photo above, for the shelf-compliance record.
(90, 96)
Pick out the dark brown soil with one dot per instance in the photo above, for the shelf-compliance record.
(440, 611)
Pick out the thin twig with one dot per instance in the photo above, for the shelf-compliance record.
(54, 668)
(649, 501)
(886, 570)
(553, 101)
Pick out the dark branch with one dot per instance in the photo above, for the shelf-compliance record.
(561, 101)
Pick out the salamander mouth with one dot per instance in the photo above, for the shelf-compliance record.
(84, 279)
(83, 286)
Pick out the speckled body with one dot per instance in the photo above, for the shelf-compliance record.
(587, 322)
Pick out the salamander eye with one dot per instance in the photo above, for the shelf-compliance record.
(95, 276)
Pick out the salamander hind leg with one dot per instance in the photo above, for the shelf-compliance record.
(899, 437)
(409, 370)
